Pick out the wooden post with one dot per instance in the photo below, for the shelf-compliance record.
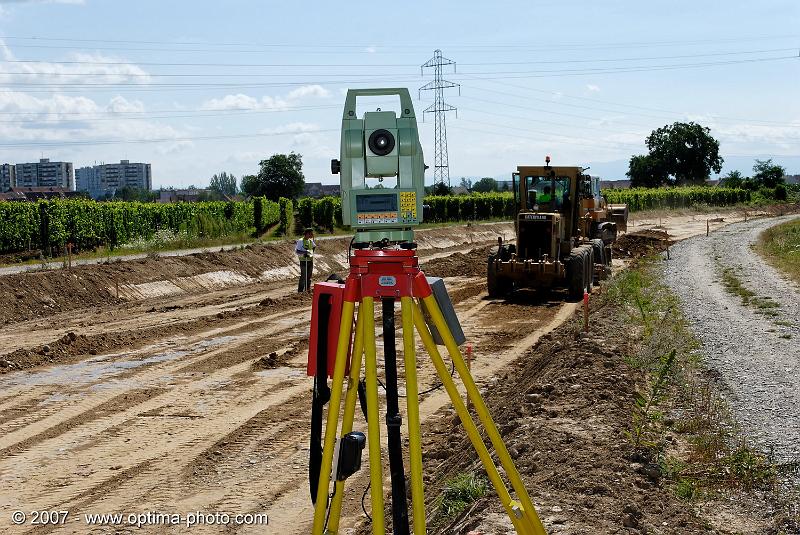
(116, 285)
(708, 227)
(69, 256)
(585, 311)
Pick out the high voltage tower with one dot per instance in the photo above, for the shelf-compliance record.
(439, 108)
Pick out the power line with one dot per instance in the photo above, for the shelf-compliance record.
(472, 76)
(373, 65)
(549, 135)
(372, 47)
(115, 116)
(60, 143)
(594, 108)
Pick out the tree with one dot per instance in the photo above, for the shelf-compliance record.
(440, 188)
(687, 151)
(223, 183)
(485, 185)
(280, 176)
(646, 172)
(768, 174)
(734, 179)
(681, 153)
(129, 193)
(466, 183)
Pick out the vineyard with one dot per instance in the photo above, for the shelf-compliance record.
(683, 197)
(50, 225)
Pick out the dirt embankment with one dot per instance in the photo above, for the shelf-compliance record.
(41, 294)
(562, 410)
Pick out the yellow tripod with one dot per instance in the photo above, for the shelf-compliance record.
(388, 275)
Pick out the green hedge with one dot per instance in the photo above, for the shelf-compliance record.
(324, 214)
(50, 225)
(305, 213)
(286, 216)
(474, 207)
(682, 197)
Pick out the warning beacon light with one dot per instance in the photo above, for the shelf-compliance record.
(379, 145)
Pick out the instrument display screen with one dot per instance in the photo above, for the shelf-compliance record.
(381, 202)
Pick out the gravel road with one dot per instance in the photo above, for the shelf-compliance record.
(755, 350)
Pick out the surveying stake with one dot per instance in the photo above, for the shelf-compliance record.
(384, 266)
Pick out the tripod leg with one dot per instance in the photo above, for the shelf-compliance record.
(412, 399)
(347, 417)
(393, 422)
(373, 426)
(483, 414)
(469, 425)
(345, 330)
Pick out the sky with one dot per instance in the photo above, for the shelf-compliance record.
(200, 87)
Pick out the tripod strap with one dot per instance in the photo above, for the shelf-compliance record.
(320, 397)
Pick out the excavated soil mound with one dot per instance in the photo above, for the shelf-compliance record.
(641, 243)
(470, 264)
(561, 410)
(40, 294)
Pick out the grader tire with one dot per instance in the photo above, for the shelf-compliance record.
(589, 263)
(599, 251)
(576, 274)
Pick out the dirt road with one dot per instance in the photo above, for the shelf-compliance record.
(197, 400)
(754, 346)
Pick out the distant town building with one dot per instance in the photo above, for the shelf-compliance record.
(792, 179)
(39, 193)
(615, 184)
(318, 189)
(7, 177)
(45, 174)
(106, 179)
(181, 195)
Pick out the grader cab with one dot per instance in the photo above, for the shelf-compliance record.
(564, 231)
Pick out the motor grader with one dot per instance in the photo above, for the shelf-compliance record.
(564, 231)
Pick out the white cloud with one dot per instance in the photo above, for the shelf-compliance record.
(308, 91)
(92, 69)
(241, 101)
(592, 88)
(292, 128)
(120, 104)
(68, 118)
(232, 102)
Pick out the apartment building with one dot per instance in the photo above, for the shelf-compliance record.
(105, 179)
(7, 177)
(45, 173)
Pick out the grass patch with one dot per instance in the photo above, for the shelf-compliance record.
(458, 494)
(780, 246)
(734, 285)
(762, 305)
(679, 422)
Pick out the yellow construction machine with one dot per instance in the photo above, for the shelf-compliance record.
(564, 231)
